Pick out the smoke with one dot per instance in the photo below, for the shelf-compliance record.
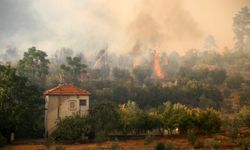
(163, 24)
(89, 25)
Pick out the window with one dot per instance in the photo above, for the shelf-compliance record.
(82, 102)
(72, 105)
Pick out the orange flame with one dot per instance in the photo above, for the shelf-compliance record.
(157, 66)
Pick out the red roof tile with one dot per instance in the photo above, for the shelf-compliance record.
(67, 89)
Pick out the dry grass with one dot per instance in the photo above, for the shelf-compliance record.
(179, 142)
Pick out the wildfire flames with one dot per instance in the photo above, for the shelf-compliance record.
(157, 67)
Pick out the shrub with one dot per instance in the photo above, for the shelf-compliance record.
(71, 128)
(60, 147)
(191, 137)
(115, 145)
(233, 128)
(169, 145)
(215, 145)
(104, 117)
(209, 121)
(160, 146)
(245, 115)
(100, 137)
(148, 139)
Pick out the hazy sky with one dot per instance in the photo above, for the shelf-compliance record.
(88, 25)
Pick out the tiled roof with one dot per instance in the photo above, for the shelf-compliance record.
(67, 89)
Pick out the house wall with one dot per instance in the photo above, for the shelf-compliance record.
(58, 107)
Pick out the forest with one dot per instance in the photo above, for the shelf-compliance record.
(202, 91)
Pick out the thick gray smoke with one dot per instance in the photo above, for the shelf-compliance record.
(89, 25)
(17, 20)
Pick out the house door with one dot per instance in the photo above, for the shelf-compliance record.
(82, 105)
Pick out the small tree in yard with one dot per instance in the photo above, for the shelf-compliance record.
(129, 116)
(104, 118)
(209, 121)
(72, 128)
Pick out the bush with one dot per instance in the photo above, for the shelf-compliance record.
(245, 115)
(100, 137)
(191, 137)
(233, 128)
(169, 146)
(115, 145)
(104, 117)
(215, 145)
(148, 139)
(160, 146)
(209, 121)
(71, 128)
(60, 147)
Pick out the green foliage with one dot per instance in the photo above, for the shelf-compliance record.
(215, 145)
(245, 115)
(19, 102)
(115, 145)
(192, 138)
(100, 137)
(209, 121)
(227, 92)
(34, 66)
(169, 145)
(217, 75)
(73, 69)
(241, 28)
(71, 128)
(129, 116)
(234, 82)
(121, 74)
(60, 147)
(176, 116)
(233, 128)
(141, 73)
(160, 146)
(148, 139)
(104, 117)
(245, 96)
(196, 91)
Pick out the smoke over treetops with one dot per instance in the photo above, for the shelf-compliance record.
(90, 25)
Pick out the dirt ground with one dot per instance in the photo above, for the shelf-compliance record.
(179, 143)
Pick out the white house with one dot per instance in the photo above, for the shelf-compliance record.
(62, 101)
